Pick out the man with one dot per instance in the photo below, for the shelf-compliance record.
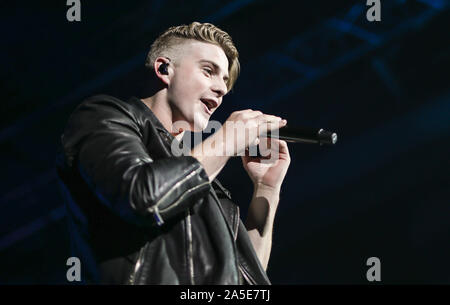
(137, 213)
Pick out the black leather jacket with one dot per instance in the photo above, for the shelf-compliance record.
(139, 215)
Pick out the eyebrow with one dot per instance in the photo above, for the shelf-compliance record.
(216, 67)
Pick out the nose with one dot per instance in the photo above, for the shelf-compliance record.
(220, 88)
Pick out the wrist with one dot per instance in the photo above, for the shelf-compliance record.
(269, 194)
(265, 201)
(208, 153)
(264, 188)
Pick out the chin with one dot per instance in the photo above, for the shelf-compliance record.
(200, 123)
(197, 128)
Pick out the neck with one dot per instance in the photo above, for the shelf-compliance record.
(159, 105)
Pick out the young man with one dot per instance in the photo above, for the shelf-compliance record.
(140, 215)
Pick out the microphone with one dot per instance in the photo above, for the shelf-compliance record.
(297, 134)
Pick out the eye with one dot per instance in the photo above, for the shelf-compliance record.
(208, 70)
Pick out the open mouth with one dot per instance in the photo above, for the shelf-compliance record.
(208, 105)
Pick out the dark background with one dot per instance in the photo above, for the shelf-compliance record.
(382, 191)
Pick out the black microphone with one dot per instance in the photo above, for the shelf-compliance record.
(298, 134)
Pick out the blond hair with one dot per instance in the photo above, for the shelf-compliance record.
(205, 32)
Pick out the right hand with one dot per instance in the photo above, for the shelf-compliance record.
(247, 126)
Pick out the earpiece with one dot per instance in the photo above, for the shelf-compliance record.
(163, 68)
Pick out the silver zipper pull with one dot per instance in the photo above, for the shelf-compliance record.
(158, 218)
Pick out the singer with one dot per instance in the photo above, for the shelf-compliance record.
(137, 214)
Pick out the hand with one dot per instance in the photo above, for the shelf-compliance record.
(269, 172)
(247, 126)
(244, 128)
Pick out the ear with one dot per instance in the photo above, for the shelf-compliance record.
(165, 78)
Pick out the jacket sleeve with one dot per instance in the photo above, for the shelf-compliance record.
(104, 143)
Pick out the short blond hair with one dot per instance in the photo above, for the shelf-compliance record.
(205, 32)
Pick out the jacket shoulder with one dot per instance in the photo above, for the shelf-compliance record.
(94, 110)
(103, 103)
(95, 114)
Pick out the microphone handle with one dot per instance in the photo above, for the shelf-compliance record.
(306, 135)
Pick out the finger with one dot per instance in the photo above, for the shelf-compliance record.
(273, 145)
(264, 118)
(279, 144)
(252, 114)
(284, 150)
(242, 111)
(273, 125)
(251, 152)
(265, 147)
(266, 122)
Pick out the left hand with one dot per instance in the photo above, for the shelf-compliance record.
(269, 171)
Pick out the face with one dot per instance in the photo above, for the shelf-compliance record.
(198, 83)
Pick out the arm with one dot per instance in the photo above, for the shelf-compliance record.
(267, 179)
(212, 159)
(104, 144)
(260, 219)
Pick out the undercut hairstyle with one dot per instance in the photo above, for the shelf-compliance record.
(165, 45)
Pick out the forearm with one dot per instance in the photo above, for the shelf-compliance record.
(259, 223)
(210, 153)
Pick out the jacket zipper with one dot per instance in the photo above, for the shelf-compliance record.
(236, 223)
(246, 275)
(155, 208)
(242, 269)
(141, 257)
(190, 250)
(234, 244)
(137, 266)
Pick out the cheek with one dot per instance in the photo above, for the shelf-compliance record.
(197, 82)
(191, 86)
